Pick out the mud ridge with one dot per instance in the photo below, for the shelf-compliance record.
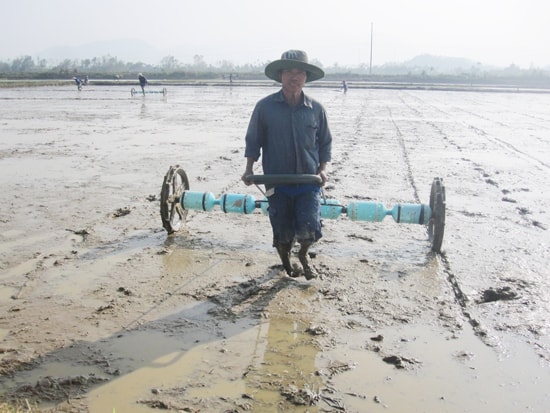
(462, 301)
(405, 155)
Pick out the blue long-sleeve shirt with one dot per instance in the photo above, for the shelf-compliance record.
(291, 140)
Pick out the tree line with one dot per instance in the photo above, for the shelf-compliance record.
(112, 65)
(170, 68)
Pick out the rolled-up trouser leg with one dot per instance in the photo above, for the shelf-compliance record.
(295, 217)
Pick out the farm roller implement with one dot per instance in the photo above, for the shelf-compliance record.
(176, 199)
(135, 91)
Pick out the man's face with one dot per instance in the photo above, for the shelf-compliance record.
(293, 80)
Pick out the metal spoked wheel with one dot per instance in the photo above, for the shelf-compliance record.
(172, 213)
(436, 226)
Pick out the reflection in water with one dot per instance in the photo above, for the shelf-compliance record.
(284, 378)
(143, 111)
(179, 257)
(266, 368)
(202, 359)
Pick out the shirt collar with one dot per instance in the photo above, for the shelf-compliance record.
(306, 100)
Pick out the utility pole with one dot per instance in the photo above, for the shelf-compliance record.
(370, 67)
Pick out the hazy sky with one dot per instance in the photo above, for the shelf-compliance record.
(498, 32)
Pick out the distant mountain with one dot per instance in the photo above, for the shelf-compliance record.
(135, 50)
(442, 64)
(126, 50)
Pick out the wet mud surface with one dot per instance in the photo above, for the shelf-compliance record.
(101, 310)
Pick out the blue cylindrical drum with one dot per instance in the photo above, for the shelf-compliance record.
(331, 209)
(237, 203)
(366, 211)
(411, 213)
(203, 201)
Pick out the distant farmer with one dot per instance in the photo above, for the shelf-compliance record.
(142, 82)
(290, 131)
(344, 86)
(78, 82)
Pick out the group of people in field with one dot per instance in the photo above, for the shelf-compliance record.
(83, 82)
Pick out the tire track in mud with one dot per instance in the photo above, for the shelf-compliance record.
(348, 145)
(430, 123)
(460, 297)
(523, 211)
(405, 155)
(494, 139)
(463, 301)
(480, 132)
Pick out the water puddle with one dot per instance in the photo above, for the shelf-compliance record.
(248, 368)
(193, 358)
(442, 373)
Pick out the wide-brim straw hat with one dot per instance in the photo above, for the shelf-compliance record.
(293, 59)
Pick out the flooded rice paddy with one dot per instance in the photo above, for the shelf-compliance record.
(101, 310)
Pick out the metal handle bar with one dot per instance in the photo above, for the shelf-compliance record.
(284, 179)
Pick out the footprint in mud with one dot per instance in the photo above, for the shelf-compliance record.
(523, 211)
(508, 199)
(486, 176)
(400, 362)
(498, 294)
(538, 225)
(491, 182)
(54, 389)
(120, 212)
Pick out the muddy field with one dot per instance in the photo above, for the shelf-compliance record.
(102, 311)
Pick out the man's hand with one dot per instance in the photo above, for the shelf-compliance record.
(324, 177)
(248, 170)
(323, 173)
(247, 173)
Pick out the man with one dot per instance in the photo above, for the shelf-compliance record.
(142, 82)
(290, 130)
(78, 82)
